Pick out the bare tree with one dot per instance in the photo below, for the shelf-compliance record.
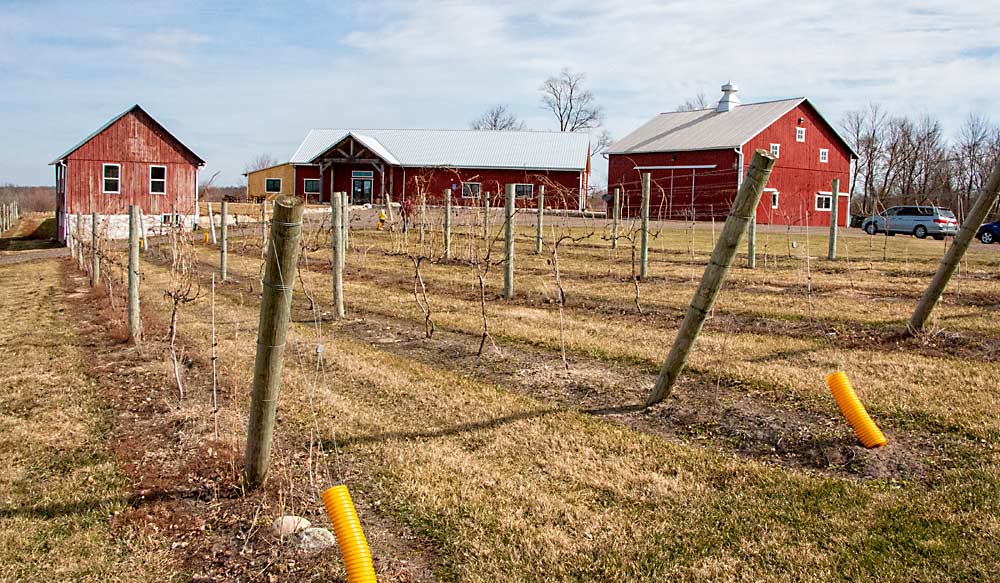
(498, 118)
(259, 162)
(601, 143)
(699, 101)
(566, 96)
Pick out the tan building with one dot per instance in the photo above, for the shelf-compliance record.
(298, 179)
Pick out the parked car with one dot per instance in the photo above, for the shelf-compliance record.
(989, 233)
(857, 221)
(918, 221)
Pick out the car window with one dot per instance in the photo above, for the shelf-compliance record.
(891, 212)
(908, 212)
(946, 213)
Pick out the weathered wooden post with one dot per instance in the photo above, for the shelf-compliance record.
(644, 250)
(211, 223)
(704, 298)
(79, 241)
(337, 258)
(95, 266)
(615, 216)
(423, 216)
(134, 320)
(145, 238)
(275, 314)
(752, 243)
(508, 243)
(834, 210)
(973, 220)
(539, 227)
(486, 217)
(447, 223)
(224, 242)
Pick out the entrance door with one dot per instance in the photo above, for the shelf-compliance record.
(361, 192)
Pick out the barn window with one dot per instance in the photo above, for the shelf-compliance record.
(824, 155)
(311, 185)
(524, 191)
(800, 134)
(112, 178)
(272, 185)
(157, 179)
(774, 197)
(824, 201)
(776, 150)
(471, 189)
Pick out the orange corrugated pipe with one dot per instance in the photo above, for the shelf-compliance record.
(866, 430)
(350, 537)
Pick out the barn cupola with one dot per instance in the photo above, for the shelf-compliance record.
(729, 99)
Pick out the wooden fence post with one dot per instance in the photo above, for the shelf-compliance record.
(79, 241)
(644, 250)
(223, 242)
(615, 215)
(539, 223)
(211, 223)
(134, 320)
(95, 267)
(704, 298)
(834, 210)
(275, 314)
(423, 216)
(752, 243)
(973, 220)
(486, 217)
(447, 223)
(142, 229)
(337, 257)
(508, 243)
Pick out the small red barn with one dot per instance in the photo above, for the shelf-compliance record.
(697, 160)
(374, 166)
(131, 159)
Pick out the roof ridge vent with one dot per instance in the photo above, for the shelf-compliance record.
(729, 99)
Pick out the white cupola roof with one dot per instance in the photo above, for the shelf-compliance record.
(729, 99)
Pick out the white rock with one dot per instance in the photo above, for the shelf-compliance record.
(315, 539)
(287, 525)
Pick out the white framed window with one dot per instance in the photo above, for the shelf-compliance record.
(112, 174)
(524, 191)
(311, 185)
(157, 180)
(272, 185)
(471, 189)
(824, 155)
(774, 197)
(824, 201)
(168, 219)
(800, 134)
(776, 150)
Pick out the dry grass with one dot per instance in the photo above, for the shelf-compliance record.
(59, 485)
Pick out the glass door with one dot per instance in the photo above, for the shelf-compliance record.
(361, 192)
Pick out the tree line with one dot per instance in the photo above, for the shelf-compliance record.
(906, 160)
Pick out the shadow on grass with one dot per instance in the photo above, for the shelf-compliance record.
(43, 237)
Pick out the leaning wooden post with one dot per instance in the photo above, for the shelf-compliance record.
(211, 223)
(973, 220)
(275, 314)
(615, 216)
(644, 250)
(95, 266)
(223, 242)
(704, 298)
(508, 241)
(834, 210)
(447, 223)
(134, 320)
(540, 219)
(752, 242)
(337, 257)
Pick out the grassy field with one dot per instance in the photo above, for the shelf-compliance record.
(515, 467)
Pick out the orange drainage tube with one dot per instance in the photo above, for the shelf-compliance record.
(869, 433)
(350, 537)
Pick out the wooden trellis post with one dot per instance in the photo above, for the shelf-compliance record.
(275, 314)
(539, 226)
(95, 266)
(508, 242)
(486, 217)
(752, 243)
(615, 216)
(644, 249)
(345, 223)
(211, 223)
(337, 257)
(704, 298)
(224, 242)
(834, 210)
(973, 220)
(134, 320)
(79, 241)
(447, 223)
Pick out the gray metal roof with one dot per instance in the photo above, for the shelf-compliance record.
(458, 148)
(706, 129)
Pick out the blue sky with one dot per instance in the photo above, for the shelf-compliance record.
(235, 79)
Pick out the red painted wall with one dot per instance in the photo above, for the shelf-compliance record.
(136, 142)
(798, 174)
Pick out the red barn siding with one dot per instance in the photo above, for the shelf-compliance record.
(136, 142)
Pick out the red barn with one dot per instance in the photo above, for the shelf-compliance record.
(376, 166)
(697, 160)
(131, 159)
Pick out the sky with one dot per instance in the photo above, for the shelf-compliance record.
(236, 79)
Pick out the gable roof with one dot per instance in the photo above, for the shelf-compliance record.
(110, 122)
(707, 129)
(458, 148)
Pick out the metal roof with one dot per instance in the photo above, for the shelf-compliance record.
(708, 129)
(458, 148)
(111, 121)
